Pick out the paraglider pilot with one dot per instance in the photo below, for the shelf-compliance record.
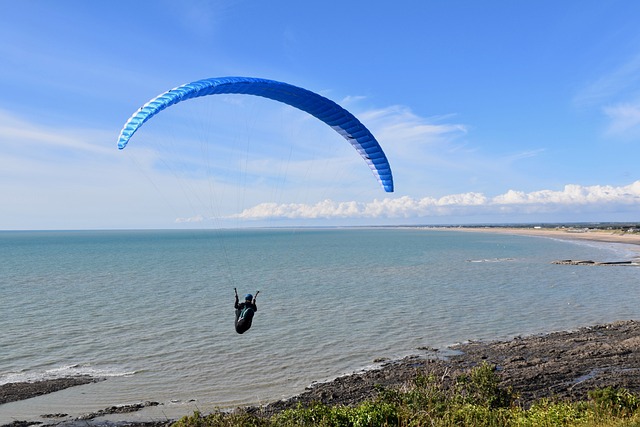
(245, 311)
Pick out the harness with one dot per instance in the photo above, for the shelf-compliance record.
(247, 311)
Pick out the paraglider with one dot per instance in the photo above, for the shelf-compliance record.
(342, 121)
(245, 311)
(332, 114)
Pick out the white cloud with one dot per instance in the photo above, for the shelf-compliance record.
(624, 119)
(400, 124)
(615, 95)
(572, 196)
(15, 133)
(617, 81)
(194, 219)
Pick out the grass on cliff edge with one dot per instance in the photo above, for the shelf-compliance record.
(474, 400)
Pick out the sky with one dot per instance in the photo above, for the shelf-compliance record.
(489, 112)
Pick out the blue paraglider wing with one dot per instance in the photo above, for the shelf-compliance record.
(318, 106)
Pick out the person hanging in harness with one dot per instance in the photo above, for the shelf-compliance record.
(245, 311)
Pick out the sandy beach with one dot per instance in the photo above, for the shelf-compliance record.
(610, 236)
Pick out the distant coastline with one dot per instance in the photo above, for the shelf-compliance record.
(562, 232)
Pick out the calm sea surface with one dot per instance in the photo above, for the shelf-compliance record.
(152, 311)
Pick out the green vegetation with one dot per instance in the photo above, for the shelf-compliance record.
(474, 400)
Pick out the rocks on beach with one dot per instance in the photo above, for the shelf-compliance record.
(13, 392)
(83, 419)
(563, 365)
(589, 262)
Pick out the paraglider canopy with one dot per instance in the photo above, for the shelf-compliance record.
(342, 121)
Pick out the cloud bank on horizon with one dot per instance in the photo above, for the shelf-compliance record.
(571, 198)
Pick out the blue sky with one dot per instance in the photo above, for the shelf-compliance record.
(489, 112)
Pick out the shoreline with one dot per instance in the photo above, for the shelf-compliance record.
(606, 236)
(632, 240)
(562, 365)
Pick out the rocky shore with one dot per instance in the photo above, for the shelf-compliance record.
(562, 365)
(13, 392)
(589, 262)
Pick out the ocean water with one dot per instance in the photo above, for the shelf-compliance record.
(152, 311)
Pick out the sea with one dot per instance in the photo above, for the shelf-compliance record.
(152, 311)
